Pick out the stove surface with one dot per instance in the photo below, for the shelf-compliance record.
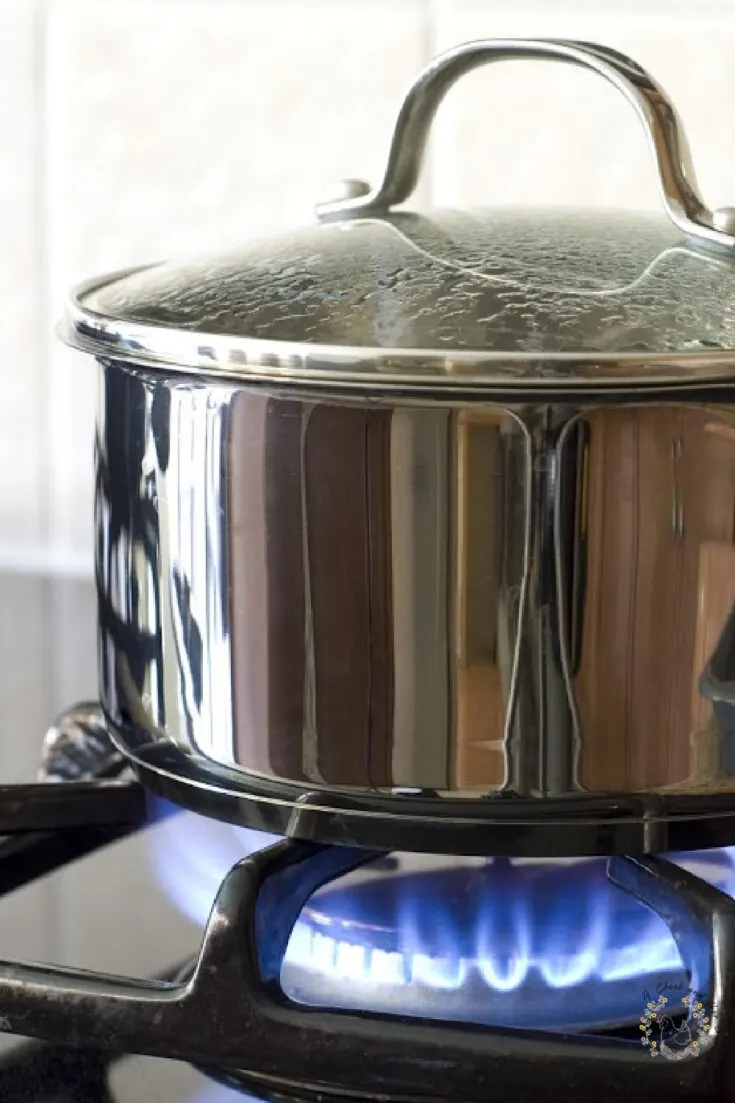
(105, 912)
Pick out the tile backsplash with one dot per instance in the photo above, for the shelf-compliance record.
(132, 130)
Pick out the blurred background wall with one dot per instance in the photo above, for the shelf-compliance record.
(133, 130)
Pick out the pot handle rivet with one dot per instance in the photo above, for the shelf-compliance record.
(350, 189)
(724, 219)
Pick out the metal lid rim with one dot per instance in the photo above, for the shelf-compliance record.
(370, 368)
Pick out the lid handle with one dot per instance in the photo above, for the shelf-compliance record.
(665, 133)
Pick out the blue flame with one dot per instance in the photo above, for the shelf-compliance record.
(504, 943)
(191, 855)
(215, 1093)
(515, 943)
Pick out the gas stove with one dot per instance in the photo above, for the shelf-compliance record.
(389, 975)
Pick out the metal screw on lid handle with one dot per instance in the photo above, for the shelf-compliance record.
(677, 182)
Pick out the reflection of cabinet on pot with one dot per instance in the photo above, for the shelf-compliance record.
(660, 583)
(310, 589)
(484, 624)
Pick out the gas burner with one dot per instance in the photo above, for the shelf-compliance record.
(538, 944)
(232, 1011)
(337, 971)
(544, 946)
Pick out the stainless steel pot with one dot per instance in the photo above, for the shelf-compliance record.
(418, 531)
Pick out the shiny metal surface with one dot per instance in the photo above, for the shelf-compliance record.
(452, 302)
(307, 602)
(417, 532)
(724, 219)
(658, 116)
(77, 747)
(380, 298)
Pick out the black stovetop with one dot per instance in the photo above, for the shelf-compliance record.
(105, 912)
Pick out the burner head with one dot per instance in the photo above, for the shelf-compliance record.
(550, 945)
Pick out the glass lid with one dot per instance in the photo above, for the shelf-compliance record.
(372, 297)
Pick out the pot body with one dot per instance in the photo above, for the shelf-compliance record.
(486, 627)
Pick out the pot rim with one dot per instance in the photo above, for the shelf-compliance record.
(373, 370)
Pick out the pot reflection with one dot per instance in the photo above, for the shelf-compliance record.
(660, 507)
(381, 597)
(380, 555)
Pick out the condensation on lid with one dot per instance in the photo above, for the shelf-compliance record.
(488, 298)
